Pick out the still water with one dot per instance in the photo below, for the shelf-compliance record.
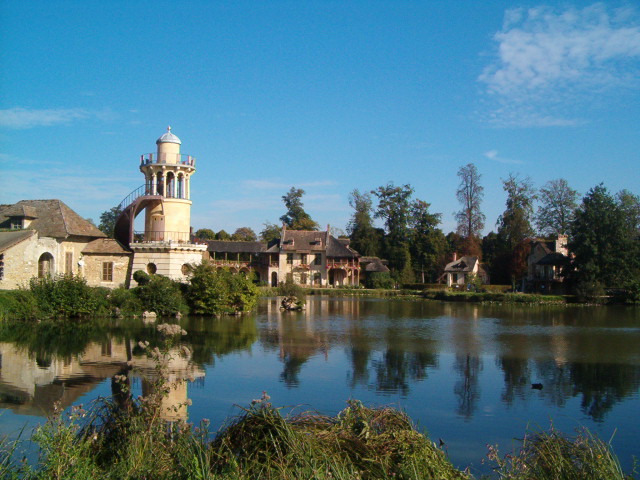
(464, 373)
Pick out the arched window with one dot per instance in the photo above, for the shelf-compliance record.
(45, 265)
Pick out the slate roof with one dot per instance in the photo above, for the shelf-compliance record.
(303, 241)
(338, 249)
(107, 246)
(226, 246)
(10, 238)
(52, 218)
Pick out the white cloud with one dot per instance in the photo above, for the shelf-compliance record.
(22, 118)
(493, 156)
(19, 118)
(550, 58)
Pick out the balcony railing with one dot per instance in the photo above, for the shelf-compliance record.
(161, 237)
(167, 159)
(342, 264)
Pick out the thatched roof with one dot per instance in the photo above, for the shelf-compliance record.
(51, 218)
(463, 264)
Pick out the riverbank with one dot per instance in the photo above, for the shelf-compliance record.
(124, 438)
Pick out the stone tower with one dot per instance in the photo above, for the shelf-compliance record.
(165, 246)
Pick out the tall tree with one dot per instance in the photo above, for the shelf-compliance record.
(244, 234)
(364, 237)
(223, 235)
(470, 194)
(394, 209)
(108, 220)
(558, 205)
(428, 244)
(296, 218)
(271, 231)
(630, 205)
(514, 225)
(601, 241)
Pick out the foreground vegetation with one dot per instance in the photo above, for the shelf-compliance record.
(125, 439)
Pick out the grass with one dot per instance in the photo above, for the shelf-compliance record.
(123, 438)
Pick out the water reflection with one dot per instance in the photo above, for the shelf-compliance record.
(390, 347)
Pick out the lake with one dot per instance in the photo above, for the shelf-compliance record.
(463, 372)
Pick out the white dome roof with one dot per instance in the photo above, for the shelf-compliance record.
(169, 138)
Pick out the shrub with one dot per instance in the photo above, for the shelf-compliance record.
(125, 300)
(161, 295)
(292, 289)
(213, 292)
(18, 305)
(379, 280)
(141, 277)
(67, 296)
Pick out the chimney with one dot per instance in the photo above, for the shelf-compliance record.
(455, 256)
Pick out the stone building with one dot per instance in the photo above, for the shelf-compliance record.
(46, 237)
(306, 257)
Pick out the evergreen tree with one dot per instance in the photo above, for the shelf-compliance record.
(602, 242)
(296, 218)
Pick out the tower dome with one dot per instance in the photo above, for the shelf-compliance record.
(168, 137)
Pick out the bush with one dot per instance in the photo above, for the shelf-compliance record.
(18, 305)
(67, 296)
(125, 300)
(141, 278)
(213, 292)
(292, 289)
(589, 290)
(379, 280)
(162, 296)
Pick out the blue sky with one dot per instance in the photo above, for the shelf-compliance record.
(325, 96)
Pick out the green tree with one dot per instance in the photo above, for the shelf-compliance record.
(213, 292)
(108, 220)
(427, 242)
(271, 231)
(514, 225)
(244, 234)
(558, 204)
(365, 238)
(602, 242)
(223, 235)
(296, 218)
(161, 295)
(394, 210)
(470, 218)
(205, 234)
(630, 205)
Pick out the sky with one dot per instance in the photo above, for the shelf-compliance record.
(327, 96)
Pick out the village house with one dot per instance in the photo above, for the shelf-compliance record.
(545, 263)
(305, 257)
(45, 237)
(458, 272)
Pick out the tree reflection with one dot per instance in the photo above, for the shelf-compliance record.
(466, 388)
(517, 377)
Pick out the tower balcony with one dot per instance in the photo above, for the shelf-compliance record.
(168, 159)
